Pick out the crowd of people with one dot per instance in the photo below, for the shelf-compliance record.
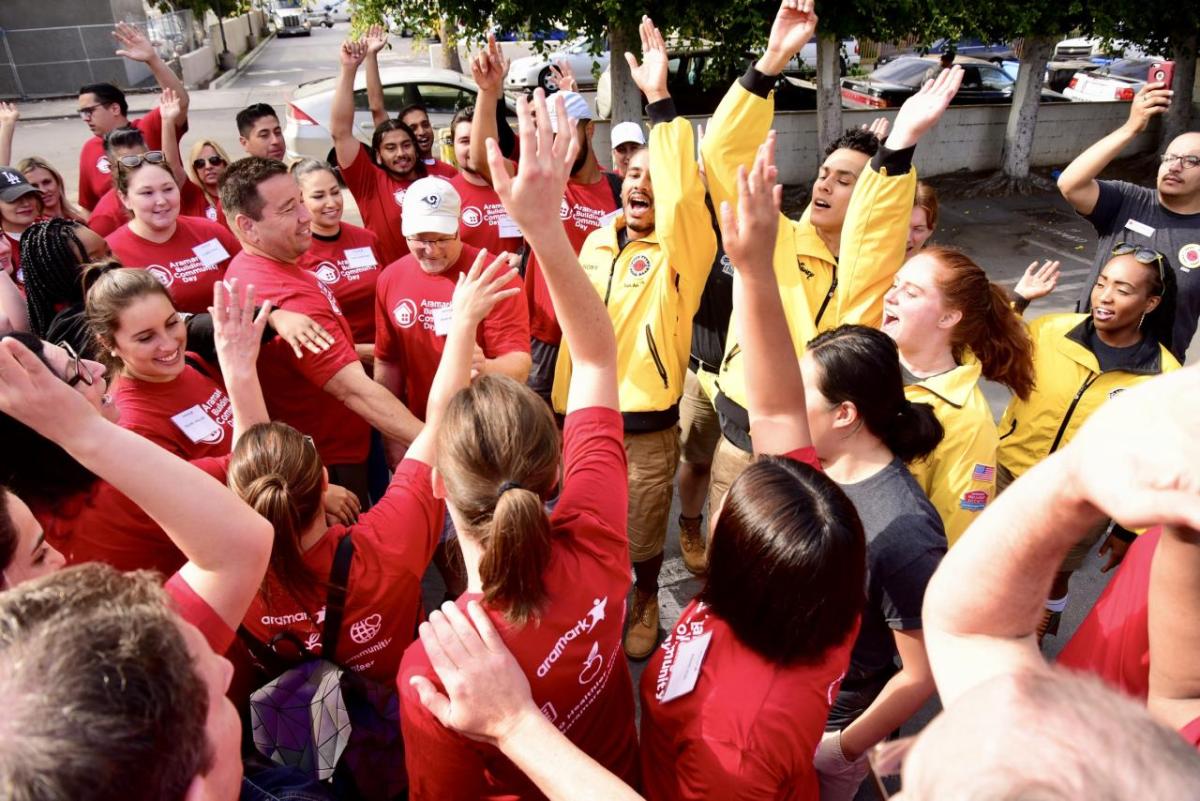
(237, 431)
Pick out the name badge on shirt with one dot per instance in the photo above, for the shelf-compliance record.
(198, 426)
(441, 320)
(689, 657)
(1139, 227)
(360, 258)
(211, 253)
(509, 228)
(608, 219)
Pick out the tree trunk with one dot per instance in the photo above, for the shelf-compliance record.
(1178, 118)
(449, 57)
(626, 98)
(1022, 117)
(829, 91)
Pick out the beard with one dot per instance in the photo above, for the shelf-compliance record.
(584, 149)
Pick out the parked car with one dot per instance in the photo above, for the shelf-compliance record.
(552, 35)
(528, 73)
(893, 83)
(695, 93)
(318, 17)
(339, 10)
(306, 124)
(290, 18)
(806, 59)
(996, 52)
(1120, 80)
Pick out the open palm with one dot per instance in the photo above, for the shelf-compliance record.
(651, 75)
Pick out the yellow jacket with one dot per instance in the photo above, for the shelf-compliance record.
(1069, 388)
(960, 475)
(652, 286)
(819, 291)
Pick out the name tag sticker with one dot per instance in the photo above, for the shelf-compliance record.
(689, 657)
(508, 228)
(360, 257)
(198, 426)
(441, 320)
(608, 219)
(211, 253)
(1139, 227)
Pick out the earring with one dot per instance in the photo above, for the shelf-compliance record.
(1141, 321)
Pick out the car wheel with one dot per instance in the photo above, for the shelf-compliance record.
(546, 81)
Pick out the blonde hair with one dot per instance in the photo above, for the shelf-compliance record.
(69, 210)
(194, 154)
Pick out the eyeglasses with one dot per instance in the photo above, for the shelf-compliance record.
(212, 161)
(1144, 255)
(88, 111)
(432, 243)
(138, 159)
(1185, 162)
(76, 370)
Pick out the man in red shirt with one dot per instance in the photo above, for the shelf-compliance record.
(110, 213)
(259, 133)
(102, 106)
(484, 222)
(592, 199)
(325, 394)
(417, 118)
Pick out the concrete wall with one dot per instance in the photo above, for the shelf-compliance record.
(967, 138)
(241, 33)
(198, 66)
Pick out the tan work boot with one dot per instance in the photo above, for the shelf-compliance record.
(691, 545)
(642, 634)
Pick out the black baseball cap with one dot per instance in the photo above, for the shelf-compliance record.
(13, 185)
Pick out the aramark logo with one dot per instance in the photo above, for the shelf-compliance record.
(584, 626)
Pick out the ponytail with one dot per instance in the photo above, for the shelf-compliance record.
(861, 365)
(516, 554)
(989, 327)
(499, 455)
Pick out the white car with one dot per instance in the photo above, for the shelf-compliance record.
(530, 72)
(1120, 80)
(306, 126)
(339, 10)
(1084, 48)
(806, 59)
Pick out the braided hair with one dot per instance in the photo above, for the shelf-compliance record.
(51, 255)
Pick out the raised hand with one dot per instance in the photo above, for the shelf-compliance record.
(376, 39)
(487, 695)
(879, 126)
(237, 332)
(301, 332)
(1038, 282)
(488, 68)
(168, 105)
(9, 114)
(134, 44)
(533, 196)
(1150, 101)
(651, 75)
(749, 235)
(564, 76)
(794, 25)
(481, 288)
(922, 111)
(352, 53)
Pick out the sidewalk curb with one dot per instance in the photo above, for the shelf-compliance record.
(226, 78)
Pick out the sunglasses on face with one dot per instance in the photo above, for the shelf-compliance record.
(76, 370)
(1144, 255)
(138, 159)
(212, 161)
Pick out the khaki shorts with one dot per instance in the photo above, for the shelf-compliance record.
(728, 464)
(699, 425)
(653, 458)
(1078, 554)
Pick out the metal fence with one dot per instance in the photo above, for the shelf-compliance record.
(39, 62)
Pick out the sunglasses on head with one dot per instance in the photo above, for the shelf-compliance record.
(1143, 254)
(138, 159)
(212, 161)
(77, 371)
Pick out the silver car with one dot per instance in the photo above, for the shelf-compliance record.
(528, 73)
(306, 126)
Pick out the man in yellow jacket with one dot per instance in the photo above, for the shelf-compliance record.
(650, 265)
(836, 262)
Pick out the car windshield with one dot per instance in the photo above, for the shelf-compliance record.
(908, 71)
(1129, 68)
(585, 46)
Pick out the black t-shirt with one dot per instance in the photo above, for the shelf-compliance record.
(1125, 212)
(710, 326)
(905, 545)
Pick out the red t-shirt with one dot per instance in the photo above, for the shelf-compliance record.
(190, 416)
(103, 525)
(18, 274)
(582, 208)
(572, 655)
(109, 214)
(380, 199)
(412, 319)
(483, 219)
(349, 265)
(194, 203)
(393, 545)
(95, 173)
(294, 388)
(195, 610)
(188, 264)
(440, 169)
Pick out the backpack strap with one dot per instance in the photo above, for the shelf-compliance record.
(614, 185)
(335, 600)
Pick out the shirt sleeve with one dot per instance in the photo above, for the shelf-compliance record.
(595, 474)
(1106, 214)
(318, 368)
(506, 328)
(359, 175)
(151, 128)
(903, 585)
(408, 519)
(87, 193)
(441, 765)
(195, 610)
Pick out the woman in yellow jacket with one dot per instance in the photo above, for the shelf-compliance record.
(953, 327)
(1082, 360)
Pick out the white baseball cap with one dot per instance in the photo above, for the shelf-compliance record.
(431, 206)
(577, 108)
(625, 132)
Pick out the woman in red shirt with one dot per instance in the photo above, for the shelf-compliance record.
(205, 167)
(344, 257)
(20, 207)
(42, 175)
(187, 254)
(555, 585)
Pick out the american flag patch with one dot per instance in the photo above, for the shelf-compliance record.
(983, 472)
